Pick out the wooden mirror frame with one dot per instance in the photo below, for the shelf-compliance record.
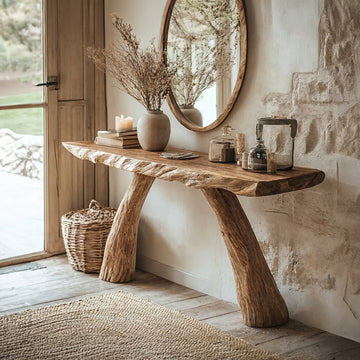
(240, 78)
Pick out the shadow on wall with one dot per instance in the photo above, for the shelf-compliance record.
(319, 242)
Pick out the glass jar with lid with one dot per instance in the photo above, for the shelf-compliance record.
(277, 137)
(222, 148)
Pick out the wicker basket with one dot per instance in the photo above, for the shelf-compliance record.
(85, 233)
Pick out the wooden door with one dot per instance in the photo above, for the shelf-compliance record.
(76, 110)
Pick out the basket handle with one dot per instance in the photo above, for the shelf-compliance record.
(95, 205)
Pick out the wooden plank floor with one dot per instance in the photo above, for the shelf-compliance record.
(50, 281)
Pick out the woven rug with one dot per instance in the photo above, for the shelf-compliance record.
(116, 325)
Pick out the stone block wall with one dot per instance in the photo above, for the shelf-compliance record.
(326, 102)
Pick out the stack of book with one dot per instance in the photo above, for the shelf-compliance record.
(124, 139)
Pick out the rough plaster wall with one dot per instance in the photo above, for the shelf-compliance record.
(322, 249)
(310, 238)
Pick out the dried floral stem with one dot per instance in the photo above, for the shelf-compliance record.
(140, 73)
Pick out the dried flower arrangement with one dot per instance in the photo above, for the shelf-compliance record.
(204, 35)
(141, 73)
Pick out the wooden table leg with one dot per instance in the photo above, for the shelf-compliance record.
(259, 298)
(120, 250)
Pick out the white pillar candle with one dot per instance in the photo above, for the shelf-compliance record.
(122, 123)
(271, 163)
(239, 146)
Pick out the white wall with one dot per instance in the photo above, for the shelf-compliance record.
(178, 234)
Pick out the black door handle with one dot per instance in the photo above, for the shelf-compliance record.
(51, 82)
(47, 84)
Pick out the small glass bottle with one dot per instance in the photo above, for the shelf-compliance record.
(257, 160)
(222, 148)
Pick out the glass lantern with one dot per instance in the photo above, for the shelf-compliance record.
(282, 140)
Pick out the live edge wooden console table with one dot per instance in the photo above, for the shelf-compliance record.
(259, 298)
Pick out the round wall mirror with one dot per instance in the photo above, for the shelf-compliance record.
(206, 44)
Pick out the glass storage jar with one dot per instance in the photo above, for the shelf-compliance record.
(280, 141)
(222, 148)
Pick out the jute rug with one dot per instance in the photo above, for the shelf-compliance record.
(116, 325)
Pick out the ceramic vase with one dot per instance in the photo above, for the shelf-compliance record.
(192, 114)
(153, 130)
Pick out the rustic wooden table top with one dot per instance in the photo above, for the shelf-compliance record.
(259, 298)
(198, 172)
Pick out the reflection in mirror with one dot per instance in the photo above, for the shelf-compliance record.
(208, 40)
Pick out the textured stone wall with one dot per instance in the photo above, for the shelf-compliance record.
(320, 247)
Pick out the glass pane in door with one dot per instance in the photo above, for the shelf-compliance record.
(21, 56)
(21, 129)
